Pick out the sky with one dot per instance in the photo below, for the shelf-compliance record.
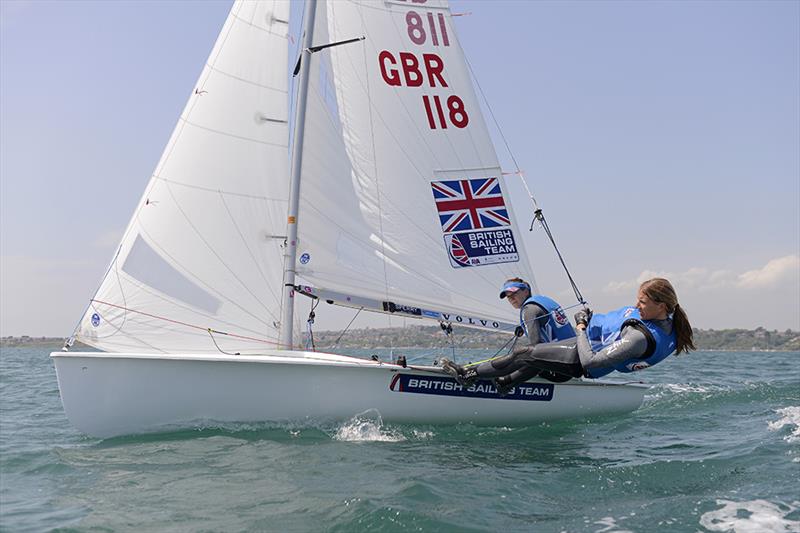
(660, 138)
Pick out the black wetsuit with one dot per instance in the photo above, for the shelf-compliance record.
(562, 360)
(531, 359)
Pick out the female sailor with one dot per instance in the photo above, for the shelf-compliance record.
(634, 338)
(541, 320)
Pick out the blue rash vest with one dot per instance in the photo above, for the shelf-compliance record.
(554, 326)
(604, 330)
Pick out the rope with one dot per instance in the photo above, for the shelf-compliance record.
(448, 332)
(512, 340)
(540, 217)
(309, 324)
(538, 212)
(336, 344)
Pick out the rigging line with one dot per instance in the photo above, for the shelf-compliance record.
(512, 340)
(540, 217)
(310, 323)
(193, 326)
(211, 334)
(146, 289)
(497, 124)
(538, 212)
(390, 131)
(463, 54)
(336, 344)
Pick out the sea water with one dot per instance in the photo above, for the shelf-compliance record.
(715, 447)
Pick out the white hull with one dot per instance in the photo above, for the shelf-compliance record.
(106, 394)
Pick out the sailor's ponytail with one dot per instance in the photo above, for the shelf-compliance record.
(683, 331)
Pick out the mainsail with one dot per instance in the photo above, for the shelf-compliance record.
(402, 197)
(203, 249)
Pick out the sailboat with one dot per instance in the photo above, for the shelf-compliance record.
(388, 198)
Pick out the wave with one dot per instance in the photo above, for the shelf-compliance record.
(367, 427)
(752, 516)
(709, 395)
(790, 416)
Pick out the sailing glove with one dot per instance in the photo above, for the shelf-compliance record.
(583, 317)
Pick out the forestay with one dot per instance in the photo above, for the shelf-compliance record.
(402, 197)
(203, 247)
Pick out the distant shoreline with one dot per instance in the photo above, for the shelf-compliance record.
(414, 337)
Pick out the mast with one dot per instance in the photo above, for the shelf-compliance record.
(290, 252)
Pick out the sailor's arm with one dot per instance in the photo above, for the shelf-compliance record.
(632, 343)
(531, 314)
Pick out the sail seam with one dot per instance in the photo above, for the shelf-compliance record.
(231, 135)
(220, 191)
(244, 80)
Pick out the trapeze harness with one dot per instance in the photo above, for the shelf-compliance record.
(554, 326)
(605, 330)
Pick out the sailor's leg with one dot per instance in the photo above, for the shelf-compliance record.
(504, 384)
(554, 361)
(499, 366)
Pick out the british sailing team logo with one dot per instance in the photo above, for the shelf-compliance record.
(457, 251)
(560, 317)
(475, 222)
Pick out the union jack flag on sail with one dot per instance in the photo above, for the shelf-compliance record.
(470, 204)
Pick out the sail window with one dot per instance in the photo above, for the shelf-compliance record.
(147, 266)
